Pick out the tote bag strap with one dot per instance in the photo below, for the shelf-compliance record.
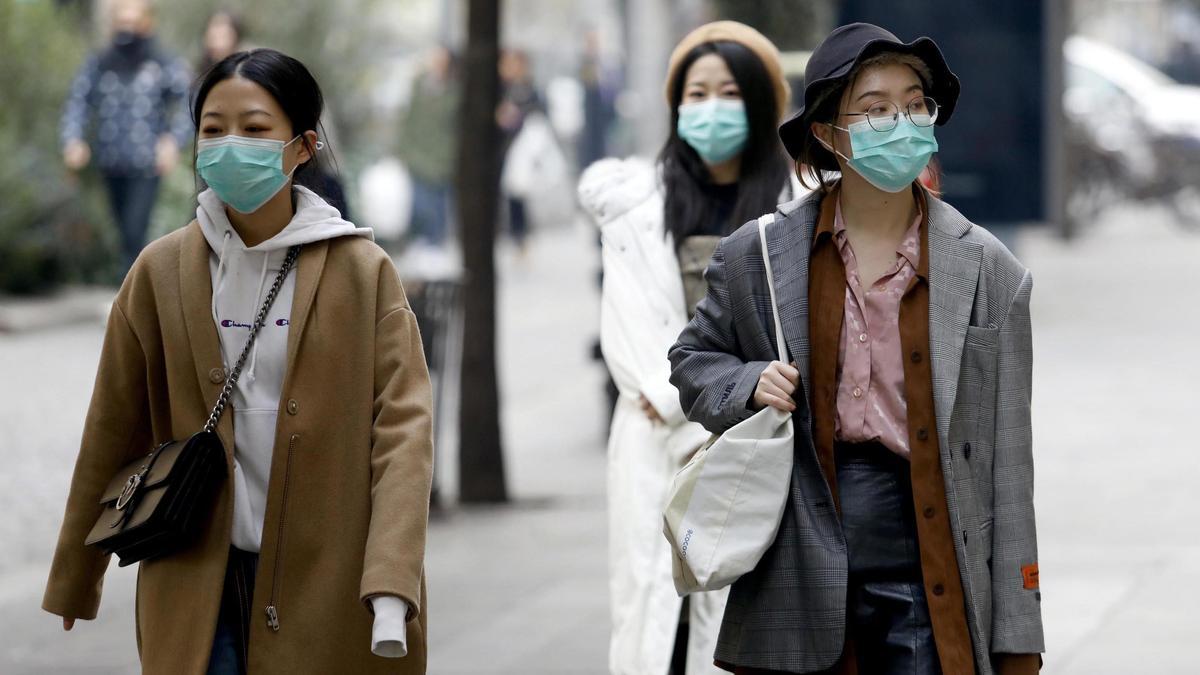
(763, 222)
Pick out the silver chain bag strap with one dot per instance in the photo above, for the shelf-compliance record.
(158, 504)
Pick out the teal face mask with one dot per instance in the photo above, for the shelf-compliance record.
(716, 128)
(243, 172)
(890, 160)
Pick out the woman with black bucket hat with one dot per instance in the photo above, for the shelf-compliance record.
(908, 541)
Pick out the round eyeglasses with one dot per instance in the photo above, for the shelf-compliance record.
(884, 115)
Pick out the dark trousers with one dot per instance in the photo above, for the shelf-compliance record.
(430, 211)
(887, 616)
(231, 640)
(131, 197)
(518, 220)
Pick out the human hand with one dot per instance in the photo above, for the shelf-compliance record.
(648, 409)
(775, 387)
(166, 155)
(76, 155)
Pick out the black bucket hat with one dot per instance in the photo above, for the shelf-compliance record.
(838, 54)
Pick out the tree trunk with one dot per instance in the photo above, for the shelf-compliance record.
(481, 462)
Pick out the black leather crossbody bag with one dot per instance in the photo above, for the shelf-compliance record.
(158, 504)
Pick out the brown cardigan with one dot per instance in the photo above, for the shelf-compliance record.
(943, 585)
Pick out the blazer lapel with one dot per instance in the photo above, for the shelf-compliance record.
(195, 290)
(789, 240)
(953, 276)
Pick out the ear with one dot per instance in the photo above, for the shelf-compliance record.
(304, 152)
(824, 134)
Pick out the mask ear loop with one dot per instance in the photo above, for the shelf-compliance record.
(830, 149)
(319, 145)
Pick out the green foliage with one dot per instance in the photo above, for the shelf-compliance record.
(338, 41)
(44, 238)
(56, 228)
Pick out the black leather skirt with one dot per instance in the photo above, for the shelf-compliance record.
(887, 616)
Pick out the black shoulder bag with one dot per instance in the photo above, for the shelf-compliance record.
(158, 504)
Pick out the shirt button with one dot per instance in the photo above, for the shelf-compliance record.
(216, 375)
(862, 337)
(922, 434)
(966, 450)
(938, 589)
(858, 392)
(916, 357)
(292, 406)
(929, 511)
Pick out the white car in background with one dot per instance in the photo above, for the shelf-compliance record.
(1144, 127)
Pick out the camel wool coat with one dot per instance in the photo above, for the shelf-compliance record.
(348, 494)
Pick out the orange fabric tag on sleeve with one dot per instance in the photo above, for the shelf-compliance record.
(1030, 574)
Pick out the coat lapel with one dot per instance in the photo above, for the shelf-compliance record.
(953, 276)
(309, 266)
(195, 291)
(789, 241)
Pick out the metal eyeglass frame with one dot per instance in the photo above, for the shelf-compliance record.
(895, 116)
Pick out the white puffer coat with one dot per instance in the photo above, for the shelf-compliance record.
(642, 313)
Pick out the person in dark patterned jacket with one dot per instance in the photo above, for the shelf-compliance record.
(127, 114)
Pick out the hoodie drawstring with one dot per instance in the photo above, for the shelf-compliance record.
(262, 279)
(219, 280)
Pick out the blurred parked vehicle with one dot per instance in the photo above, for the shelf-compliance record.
(1132, 133)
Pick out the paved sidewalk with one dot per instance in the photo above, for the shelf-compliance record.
(61, 308)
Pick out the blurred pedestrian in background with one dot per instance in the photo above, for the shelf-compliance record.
(911, 332)
(222, 36)
(599, 101)
(129, 103)
(428, 145)
(722, 165)
(334, 493)
(519, 98)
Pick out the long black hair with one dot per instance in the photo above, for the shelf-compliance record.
(688, 204)
(293, 88)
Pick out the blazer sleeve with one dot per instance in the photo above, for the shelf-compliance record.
(117, 429)
(401, 452)
(1016, 599)
(715, 383)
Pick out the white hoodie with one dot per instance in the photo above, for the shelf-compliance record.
(241, 279)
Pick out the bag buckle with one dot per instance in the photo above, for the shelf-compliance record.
(131, 486)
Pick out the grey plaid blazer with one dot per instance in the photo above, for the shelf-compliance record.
(789, 613)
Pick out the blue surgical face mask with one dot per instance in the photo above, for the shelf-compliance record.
(890, 160)
(716, 128)
(243, 172)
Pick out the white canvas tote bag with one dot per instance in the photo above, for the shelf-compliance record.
(724, 506)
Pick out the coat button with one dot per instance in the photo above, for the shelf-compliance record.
(922, 434)
(292, 406)
(938, 589)
(916, 357)
(966, 450)
(216, 376)
(929, 511)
